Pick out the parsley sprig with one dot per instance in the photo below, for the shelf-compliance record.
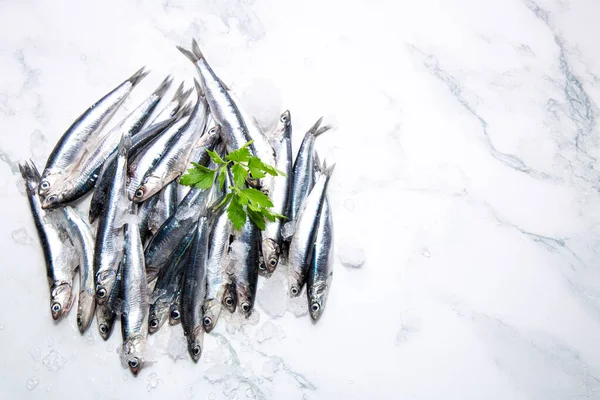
(241, 201)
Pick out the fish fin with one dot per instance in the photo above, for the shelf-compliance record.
(184, 111)
(29, 171)
(181, 95)
(321, 130)
(196, 50)
(164, 86)
(315, 127)
(329, 170)
(138, 76)
(199, 88)
(188, 54)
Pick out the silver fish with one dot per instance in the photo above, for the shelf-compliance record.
(138, 142)
(246, 268)
(168, 285)
(303, 241)
(83, 177)
(302, 176)
(107, 313)
(109, 236)
(152, 154)
(72, 143)
(224, 110)
(83, 237)
(59, 252)
(134, 318)
(165, 206)
(194, 289)
(175, 160)
(175, 309)
(320, 271)
(173, 107)
(279, 192)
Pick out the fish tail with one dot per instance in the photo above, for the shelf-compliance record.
(29, 172)
(163, 87)
(196, 50)
(181, 95)
(138, 76)
(198, 89)
(188, 54)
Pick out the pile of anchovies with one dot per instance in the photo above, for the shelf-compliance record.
(162, 251)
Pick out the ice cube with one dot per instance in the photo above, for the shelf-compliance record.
(32, 383)
(20, 236)
(272, 296)
(269, 330)
(54, 361)
(177, 346)
(287, 231)
(270, 367)
(298, 305)
(36, 354)
(351, 255)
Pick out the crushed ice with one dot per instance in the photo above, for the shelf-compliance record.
(269, 330)
(54, 361)
(351, 255)
(298, 305)
(20, 236)
(32, 383)
(287, 231)
(272, 295)
(177, 345)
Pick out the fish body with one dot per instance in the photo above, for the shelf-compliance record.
(194, 289)
(83, 177)
(246, 267)
(83, 237)
(279, 193)
(106, 313)
(71, 145)
(320, 271)
(59, 252)
(166, 205)
(302, 244)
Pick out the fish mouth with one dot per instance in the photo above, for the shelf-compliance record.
(211, 312)
(315, 310)
(85, 311)
(105, 329)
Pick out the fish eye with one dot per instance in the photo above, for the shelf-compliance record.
(261, 266)
(154, 323)
(229, 301)
(315, 307)
(294, 290)
(196, 350)
(207, 321)
(133, 363)
(56, 307)
(245, 307)
(139, 193)
(273, 262)
(79, 320)
(175, 314)
(213, 131)
(45, 185)
(103, 329)
(101, 292)
(283, 118)
(51, 198)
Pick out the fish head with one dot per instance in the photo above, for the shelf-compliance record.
(245, 300)
(296, 283)
(47, 182)
(270, 251)
(105, 281)
(159, 312)
(150, 186)
(316, 299)
(283, 127)
(56, 196)
(174, 314)
(210, 311)
(195, 343)
(85, 309)
(132, 353)
(61, 299)
(230, 297)
(105, 318)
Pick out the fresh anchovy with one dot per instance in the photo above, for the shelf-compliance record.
(107, 313)
(59, 251)
(217, 275)
(279, 192)
(302, 177)
(302, 245)
(168, 284)
(320, 271)
(246, 273)
(194, 289)
(83, 177)
(152, 155)
(172, 107)
(138, 142)
(134, 319)
(72, 143)
(175, 228)
(145, 211)
(233, 128)
(83, 237)
(165, 206)
(109, 235)
(175, 160)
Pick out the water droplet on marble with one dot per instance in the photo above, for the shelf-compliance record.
(426, 252)
(48, 388)
(125, 377)
(36, 354)
(2, 326)
(250, 393)
(32, 383)
(50, 342)
(212, 396)
(83, 57)
(350, 382)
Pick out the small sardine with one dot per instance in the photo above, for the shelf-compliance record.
(320, 271)
(72, 143)
(194, 289)
(60, 253)
(109, 236)
(145, 210)
(279, 192)
(303, 241)
(134, 318)
(166, 205)
(246, 268)
(107, 313)
(83, 238)
(83, 177)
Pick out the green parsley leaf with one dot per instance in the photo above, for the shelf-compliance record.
(236, 213)
(239, 175)
(222, 177)
(256, 197)
(239, 155)
(215, 157)
(200, 177)
(257, 218)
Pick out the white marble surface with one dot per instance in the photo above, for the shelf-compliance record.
(467, 171)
